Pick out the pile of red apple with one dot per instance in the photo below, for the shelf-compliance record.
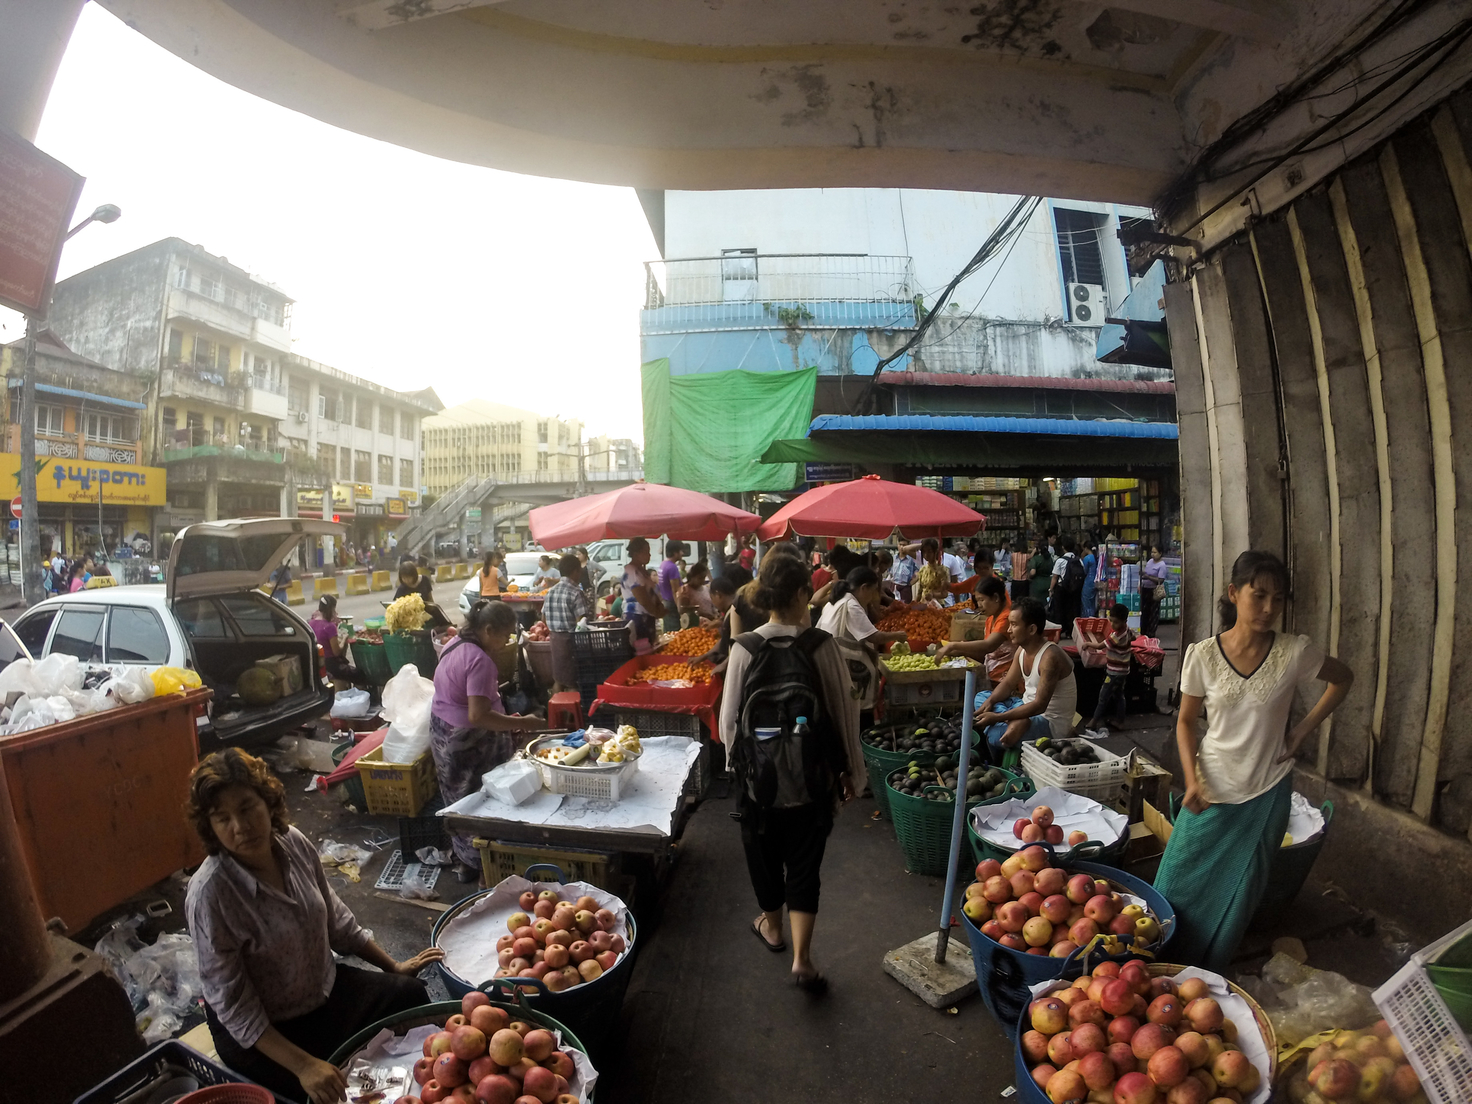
(483, 1056)
(1365, 1066)
(1039, 828)
(561, 943)
(1027, 905)
(1123, 1037)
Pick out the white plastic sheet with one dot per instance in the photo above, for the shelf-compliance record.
(352, 703)
(1071, 812)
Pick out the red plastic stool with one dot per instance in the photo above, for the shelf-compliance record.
(565, 710)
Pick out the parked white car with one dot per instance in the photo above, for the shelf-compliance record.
(210, 615)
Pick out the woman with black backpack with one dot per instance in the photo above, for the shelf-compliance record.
(792, 730)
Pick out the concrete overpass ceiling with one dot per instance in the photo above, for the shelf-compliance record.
(1055, 97)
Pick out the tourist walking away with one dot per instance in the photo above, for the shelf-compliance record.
(642, 604)
(849, 619)
(668, 582)
(1239, 775)
(469, 729)
(1117, 658)
(266, 923)
(1037, 696)
(1087, 602)
(566, 605)
(995, 649)
(1066, 587)
(280, 581)
(792, 728)
(1152, 588)
(325, 628)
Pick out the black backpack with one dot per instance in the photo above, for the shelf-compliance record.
(782, 683)
(1074, 576)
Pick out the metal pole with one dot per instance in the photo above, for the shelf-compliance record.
(30, 522)
(958, 823)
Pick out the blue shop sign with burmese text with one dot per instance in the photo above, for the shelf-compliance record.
(827, 473)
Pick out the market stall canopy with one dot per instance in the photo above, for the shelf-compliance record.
(639, 510)
(872, 508)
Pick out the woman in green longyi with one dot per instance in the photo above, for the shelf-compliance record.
(1239, 778)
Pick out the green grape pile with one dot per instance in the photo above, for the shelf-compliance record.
(910, 662)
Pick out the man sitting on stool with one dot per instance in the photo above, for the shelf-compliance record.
(1043, 673)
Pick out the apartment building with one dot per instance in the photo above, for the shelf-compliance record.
(612, 454)
(243, 426)
(481, 439)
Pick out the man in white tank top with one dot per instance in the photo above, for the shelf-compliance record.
(1042, 674)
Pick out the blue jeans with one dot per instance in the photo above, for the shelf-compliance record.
(1089, 598)
(1039, 727)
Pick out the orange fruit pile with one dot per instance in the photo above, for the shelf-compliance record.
(698, 673)
(924, 626)
(691, 642)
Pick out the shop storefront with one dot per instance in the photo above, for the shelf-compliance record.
(88, 506)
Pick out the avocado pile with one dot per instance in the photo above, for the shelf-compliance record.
(1068, 753)
(981, 781)
(922, 738)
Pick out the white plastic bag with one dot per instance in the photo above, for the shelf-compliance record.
(31, 712)
(351, 703)
(130, 685)
(512, 782)
(400, 747)
(19, 676)
(58, 672)
(406, 701)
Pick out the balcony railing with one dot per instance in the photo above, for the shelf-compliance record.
(553, 475)
(779, 278)
(261, 383)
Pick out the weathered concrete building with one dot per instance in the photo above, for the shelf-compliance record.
(243, 426)
(480, 439)
(612, 454)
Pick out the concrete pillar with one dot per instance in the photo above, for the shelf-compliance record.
(35, 38)
(211, 498)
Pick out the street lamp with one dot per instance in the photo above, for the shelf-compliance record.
(30, 522)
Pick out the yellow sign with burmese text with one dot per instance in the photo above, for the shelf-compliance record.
(59, 480)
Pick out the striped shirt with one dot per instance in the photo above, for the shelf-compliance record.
(1117, 651)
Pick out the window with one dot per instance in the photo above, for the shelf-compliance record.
(111, 428)
(176, 344)
(562, 433)
(541, 461)
(541, 433)
(362, 467)
(204, 353)
(385, 469)
(738, 275)
(322, 404)
(253, 615)
(365, 414)
(386, 420)
(210, 286)
(327, 457)
(136, 635)
(236, 299)
(296, 397)
(171, 419)
(194, 420)
(406, 427)
(32, 631)
(79, 633)
(1078, 246)
(406, 473)
(181, 278)
(219, 429)
(201, 619)
(345, 465)
(49, 420)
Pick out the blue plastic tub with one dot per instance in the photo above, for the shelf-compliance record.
(158, 1064)
(1004, 975)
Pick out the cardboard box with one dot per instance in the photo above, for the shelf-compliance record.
(1148, 782)
(966, 627)
(287, 670)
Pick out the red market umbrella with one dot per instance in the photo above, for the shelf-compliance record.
(872, 508)
(639, 510)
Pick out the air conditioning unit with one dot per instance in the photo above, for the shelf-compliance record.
(301, 415)
(1087, 304)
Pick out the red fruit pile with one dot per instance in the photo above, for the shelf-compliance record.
(1364, 1066)
(563, 943)
(1123, 1036)
(1039, 828)
(1027, 905)
(483, 1056)
(539, 632)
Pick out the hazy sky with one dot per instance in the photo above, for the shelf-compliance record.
(407, 270)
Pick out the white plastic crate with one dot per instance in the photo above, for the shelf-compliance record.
(605, 783)
(1434, 1043)
(1101, 781)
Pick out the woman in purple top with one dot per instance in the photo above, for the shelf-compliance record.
(324, 627)
(669, 582)
(468, 731)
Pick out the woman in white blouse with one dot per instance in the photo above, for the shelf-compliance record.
(265, 923)
(1239, 776)
(848, 618)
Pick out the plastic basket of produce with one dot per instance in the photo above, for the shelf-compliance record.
(597, 653)
(415, 647)
(475, 931)
(1434, 1042)
(635, 683)
(923, 812)
(994, 911)
(578, 772)
(166, 1071)
(414, 1032)
(502, 859)
(1080, 766)
(396, 789)
(371, 658)
(539, 659)
(1150, 1064)
(918, 740)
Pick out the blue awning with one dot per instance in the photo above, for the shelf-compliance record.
(84, 396)
(965, 423)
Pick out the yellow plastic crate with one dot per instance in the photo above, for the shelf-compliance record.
(500, 860)
(396, 789)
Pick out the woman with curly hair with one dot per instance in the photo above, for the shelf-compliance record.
(265, 923)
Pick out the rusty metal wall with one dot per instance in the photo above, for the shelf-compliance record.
(1324, 374)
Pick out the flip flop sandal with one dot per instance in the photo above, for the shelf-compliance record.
(815, 985)
(775, 948)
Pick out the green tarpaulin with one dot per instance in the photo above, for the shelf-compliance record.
(707, 432)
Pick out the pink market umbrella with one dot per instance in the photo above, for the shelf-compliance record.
(872, 508)
(639, 510)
